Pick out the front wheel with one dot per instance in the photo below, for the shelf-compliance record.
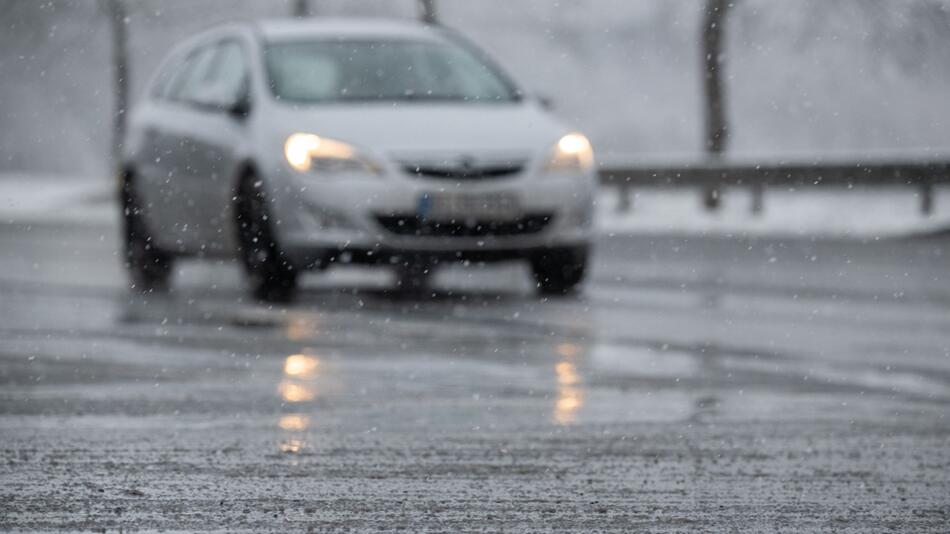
(272, 277)
(149, 267)
(558, 271)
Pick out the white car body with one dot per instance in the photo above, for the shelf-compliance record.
(491, 158)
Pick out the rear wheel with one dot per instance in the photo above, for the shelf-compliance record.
(149, 267)
(271, 275)
(558, 271)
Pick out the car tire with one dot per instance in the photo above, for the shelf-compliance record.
(149, 267)
(271, 275)
(558, 271)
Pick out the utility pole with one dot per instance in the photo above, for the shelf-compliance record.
(115, 10)
(428, 12)
(716, 126)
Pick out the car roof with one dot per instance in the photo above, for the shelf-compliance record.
(296, 29)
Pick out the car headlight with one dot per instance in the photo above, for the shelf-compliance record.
(309, 152)
(571, 153)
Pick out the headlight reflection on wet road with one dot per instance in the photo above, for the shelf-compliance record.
(301, 365)
(300, 371)
(293, 422)
(292, 391)
(570, 393)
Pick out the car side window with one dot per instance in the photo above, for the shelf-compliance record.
(167, 89)
(192, 80)
(163, 81)
(227, 79)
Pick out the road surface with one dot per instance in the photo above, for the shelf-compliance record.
(695, 385)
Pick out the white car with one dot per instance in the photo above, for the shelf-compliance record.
(298, 145)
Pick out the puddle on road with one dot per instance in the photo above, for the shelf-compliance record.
(869, 377)
(611, 359)
(578, 399)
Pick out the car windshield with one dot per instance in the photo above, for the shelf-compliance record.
(379, 70)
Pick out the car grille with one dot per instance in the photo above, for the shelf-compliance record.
(464, 172)
(417, 226)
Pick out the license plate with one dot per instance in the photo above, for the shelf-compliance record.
(493, 206)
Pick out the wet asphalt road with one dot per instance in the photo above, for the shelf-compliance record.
(696, 385)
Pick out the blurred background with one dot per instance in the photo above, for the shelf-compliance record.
(810, 77)
(762, 341)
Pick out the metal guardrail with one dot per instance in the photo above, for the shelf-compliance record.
(710, 177)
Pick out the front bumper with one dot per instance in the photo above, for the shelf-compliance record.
(373, 219)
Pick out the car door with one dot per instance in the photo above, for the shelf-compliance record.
(157, 180)
(217, 140)
(199, 140)
(195, 159)
(168, 174)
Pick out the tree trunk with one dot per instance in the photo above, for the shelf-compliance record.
(301, 9)
(120, 73)
(717, 128)
(716, 134)
(428, 11)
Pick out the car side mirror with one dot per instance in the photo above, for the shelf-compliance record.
(213, 99)
(240, 104)
(240, 107)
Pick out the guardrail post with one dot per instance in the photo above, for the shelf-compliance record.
(926, 197)
(624, 203)
(711, 197)
(428, 14)
(758, 198)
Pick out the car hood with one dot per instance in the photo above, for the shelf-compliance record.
(412, 128)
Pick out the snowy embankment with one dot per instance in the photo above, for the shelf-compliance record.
(43, 199)
(861, 213)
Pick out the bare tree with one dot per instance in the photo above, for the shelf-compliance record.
(716, 134)
(118, 19)
(428, 11)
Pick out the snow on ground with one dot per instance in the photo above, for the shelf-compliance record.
(37, 199)
(861, 213)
